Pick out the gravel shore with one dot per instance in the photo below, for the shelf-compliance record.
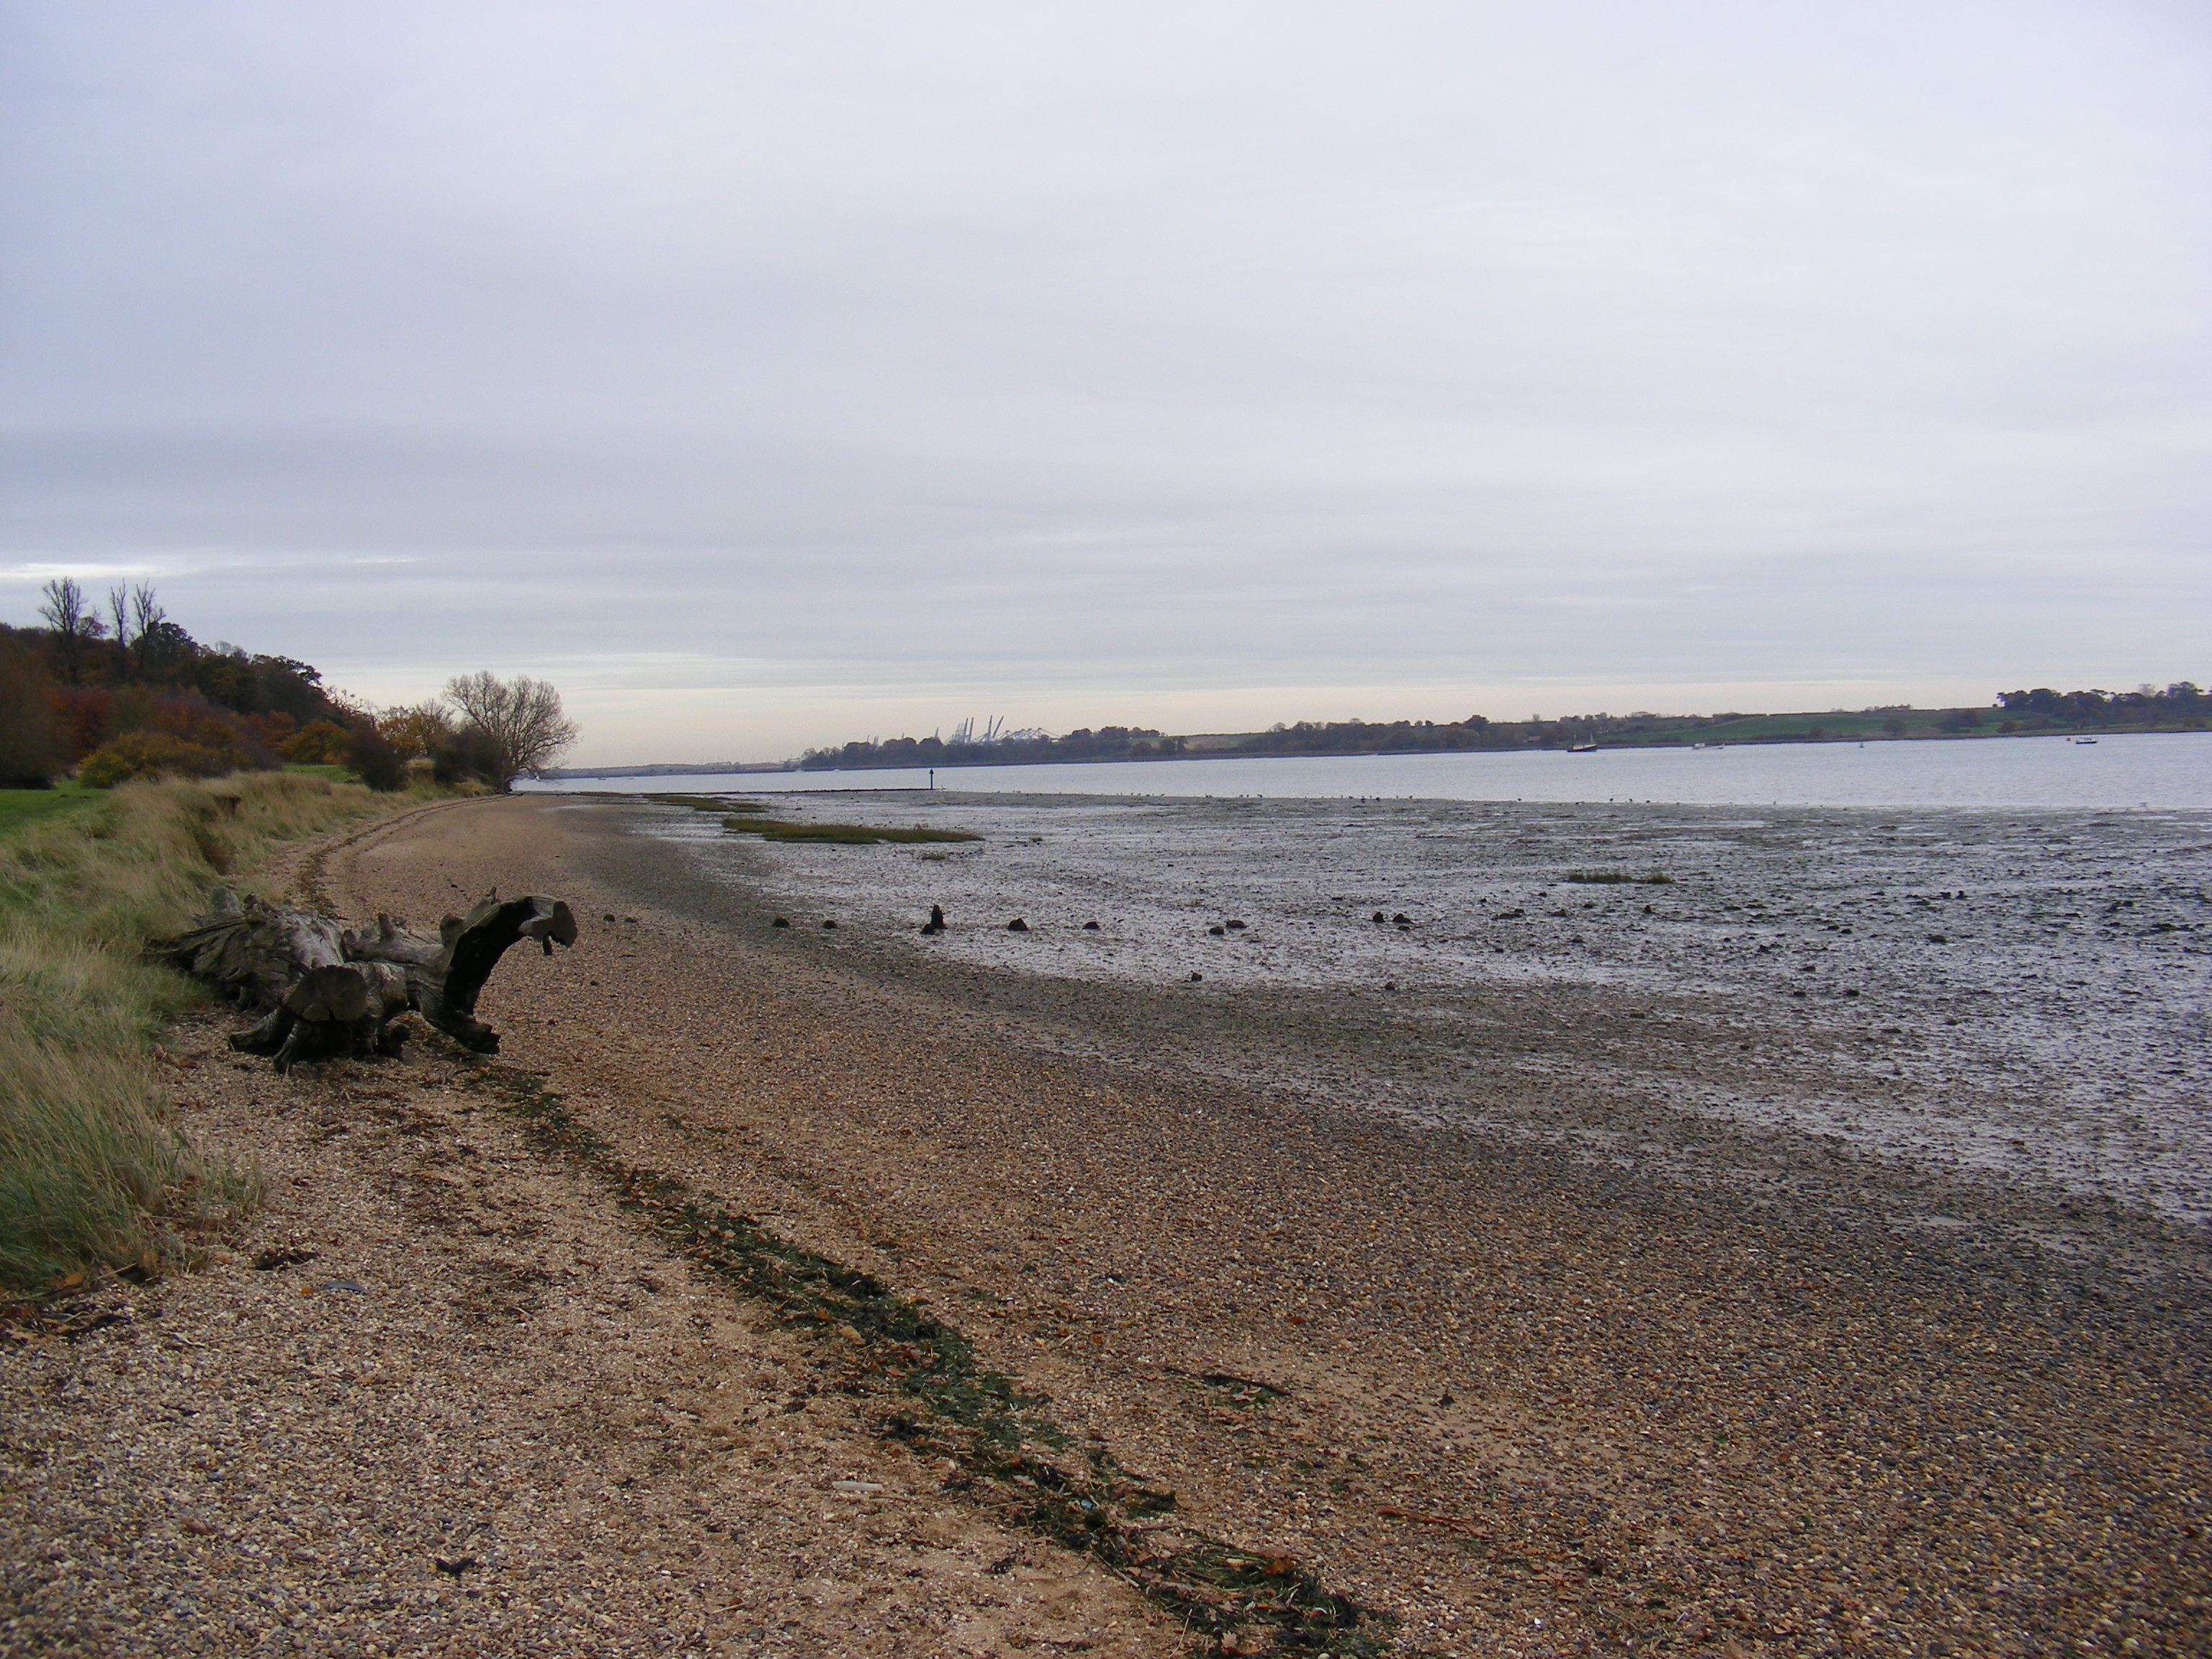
(1511, 1398)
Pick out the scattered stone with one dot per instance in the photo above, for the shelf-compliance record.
(1017, 926)
(1090, 927)
(780, 921)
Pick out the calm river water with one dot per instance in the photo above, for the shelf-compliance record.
(2155, 769)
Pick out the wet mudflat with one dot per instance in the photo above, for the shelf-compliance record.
(2009, 993)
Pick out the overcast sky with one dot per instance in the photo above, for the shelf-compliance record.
(766, 376)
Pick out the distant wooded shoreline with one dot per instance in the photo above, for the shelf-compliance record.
(2043, 712)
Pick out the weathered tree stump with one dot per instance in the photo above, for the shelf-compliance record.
(324, 990)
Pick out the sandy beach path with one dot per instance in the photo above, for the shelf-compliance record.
(1514, 1404)
(445, 1397)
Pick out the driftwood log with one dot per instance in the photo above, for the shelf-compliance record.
(326, 990)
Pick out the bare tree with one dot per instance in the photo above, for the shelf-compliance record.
(118, 606)
(516, 725)
(146, 617)
(65, 613)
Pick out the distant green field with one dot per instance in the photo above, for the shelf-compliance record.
(1798, 726)
(18, 808)
(329, 770)
(1769, 728)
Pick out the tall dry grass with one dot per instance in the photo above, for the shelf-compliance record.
(92, 1171)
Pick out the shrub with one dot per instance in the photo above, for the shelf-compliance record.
(156, 733)
(84, 712)
(380, 766)
(318, 743)
(154, 755)
(468, 755)
(417, 733)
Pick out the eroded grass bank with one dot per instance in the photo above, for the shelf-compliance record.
(92, 1172)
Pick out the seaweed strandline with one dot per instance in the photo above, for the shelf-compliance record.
(941, 1398)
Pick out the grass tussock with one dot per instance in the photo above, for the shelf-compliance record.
(1613, 877)
(92, 1172)
(838, 835)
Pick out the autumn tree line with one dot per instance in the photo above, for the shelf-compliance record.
(111, 688)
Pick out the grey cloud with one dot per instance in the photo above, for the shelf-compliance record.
(1148, 352)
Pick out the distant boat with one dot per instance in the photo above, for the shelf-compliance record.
(1582, 749)
(2080, 739)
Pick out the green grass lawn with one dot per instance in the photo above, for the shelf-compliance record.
(1797, 725)
(20, 807)
(1769, 728)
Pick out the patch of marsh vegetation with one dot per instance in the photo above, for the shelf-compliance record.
(838, 835)
(93, 1171)
(709, 803)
